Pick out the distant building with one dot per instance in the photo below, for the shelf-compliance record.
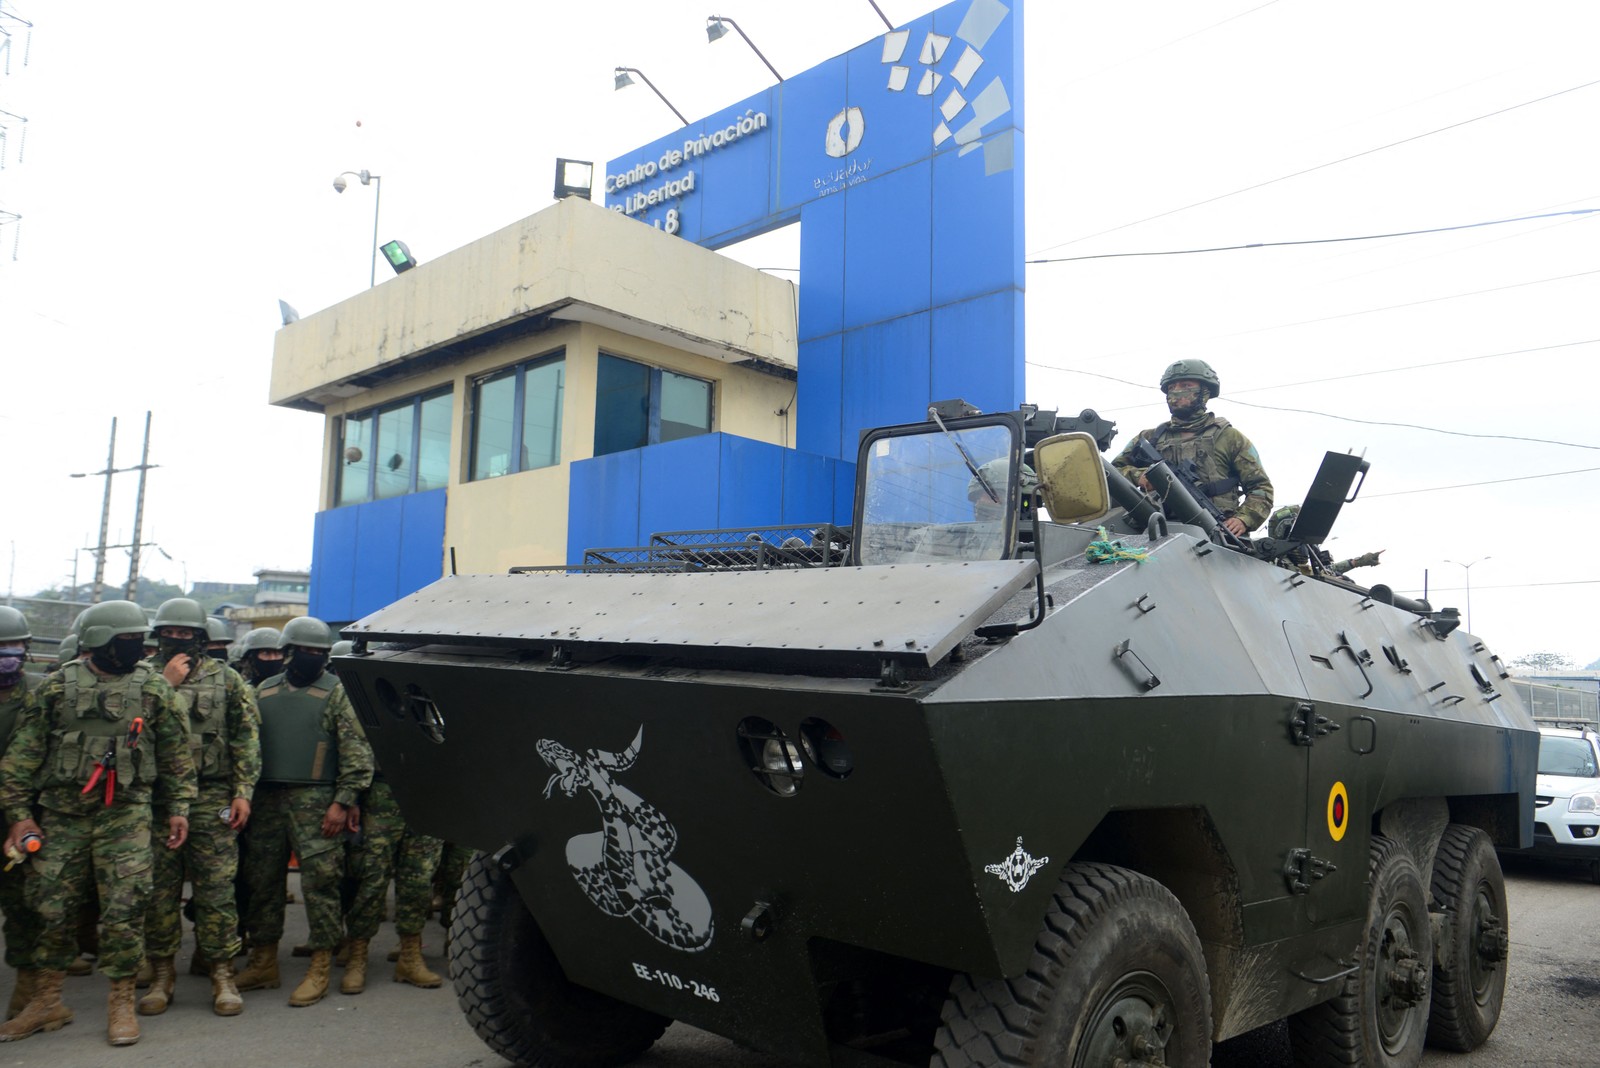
(283, 588)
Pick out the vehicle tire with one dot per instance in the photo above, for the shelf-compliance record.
(1379, 1019)
(516, 996)
(1117, 972)
(1467, 996)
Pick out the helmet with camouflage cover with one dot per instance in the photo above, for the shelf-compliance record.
(14, 625)
(1282, 520)
(106, 620)
(1198, 370)
(307, 632)
(181, 612)
(259, 638)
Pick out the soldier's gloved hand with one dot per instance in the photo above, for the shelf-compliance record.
(178, 831)
(1234, 525)
(177, 669)
(238, 814)
(14, 839)
(333, 820)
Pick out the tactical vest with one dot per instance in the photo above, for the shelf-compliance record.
(94, 715)
(204, 701)
(1222, 486)
(11, 707)
(295, 746)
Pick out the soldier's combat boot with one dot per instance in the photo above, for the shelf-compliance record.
(410, 968)
(80, 967)
(43, 1012)
(122, 1026)
(22, 993)
(261, 973)
(303, 949)
(164, 978)
(225, 999)
(315, 985)
(355, 967)
(145, 974)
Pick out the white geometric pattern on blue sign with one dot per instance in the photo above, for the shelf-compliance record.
(979, 24)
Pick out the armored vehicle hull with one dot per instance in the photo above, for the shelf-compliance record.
(847, 814)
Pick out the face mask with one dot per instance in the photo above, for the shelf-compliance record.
(10, 667)
(171, 647)
(119, 657)
(218, 654)
(264, 669)
(305, 665)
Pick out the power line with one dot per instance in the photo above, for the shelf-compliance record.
(1509, 586)
(1417, 426)
(1486, 482)
(1323, 166)
(1314, 240)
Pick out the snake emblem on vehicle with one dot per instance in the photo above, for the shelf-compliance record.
(626, 867)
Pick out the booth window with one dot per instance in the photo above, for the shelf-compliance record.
(403, 447)
(516, 418)
(637, 405)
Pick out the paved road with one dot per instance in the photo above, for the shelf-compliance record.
(1552, 1014)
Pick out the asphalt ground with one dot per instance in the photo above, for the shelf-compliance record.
(1551, 1016)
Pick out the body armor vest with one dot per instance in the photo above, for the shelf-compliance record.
(295, 746)
(203, 699)
(1178, 447)
(95, 715)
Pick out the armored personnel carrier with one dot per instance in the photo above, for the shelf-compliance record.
(964, 784)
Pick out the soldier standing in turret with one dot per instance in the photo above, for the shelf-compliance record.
(16, 700)
(219, 710)
(315, 763)
(104, 739)
(1229, 467)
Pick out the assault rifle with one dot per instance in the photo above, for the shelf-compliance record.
(1182, 496)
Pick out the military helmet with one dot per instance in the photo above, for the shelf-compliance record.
(308, 632)
(218, 630)
(181, 612)
(106, 620)
(13, 625)
(1282, 520)
(259, 638)
(77, 623)
(1198, 370)
(996, 473)
(342, 647)
(68, 649)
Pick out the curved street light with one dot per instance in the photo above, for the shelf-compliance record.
(375, 180)
(717, 28)
(623, 81)
(1467, 567)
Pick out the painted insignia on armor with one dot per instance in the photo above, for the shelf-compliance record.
(1018, 868)
(625, 868)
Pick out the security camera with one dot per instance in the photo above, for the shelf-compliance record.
(339, 184)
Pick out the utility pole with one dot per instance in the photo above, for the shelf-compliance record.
(138, 514)
(105, 505)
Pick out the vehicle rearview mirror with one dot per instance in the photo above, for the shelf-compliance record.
(1072, 478)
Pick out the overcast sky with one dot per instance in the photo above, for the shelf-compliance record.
(175, 182)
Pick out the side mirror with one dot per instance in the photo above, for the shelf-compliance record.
(1072, 478)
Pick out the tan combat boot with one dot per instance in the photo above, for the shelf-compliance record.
(355, 967)
(261, 973)
(43, 1012)
(163, 979)
(80, 967)
(225, 999)
(122, 1026)
(410, 968)
(22, 993)
(315, 985)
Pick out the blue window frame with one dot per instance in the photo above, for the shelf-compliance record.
(638, 405)
(397, 448)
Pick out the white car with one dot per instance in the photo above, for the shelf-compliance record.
(1566, 810)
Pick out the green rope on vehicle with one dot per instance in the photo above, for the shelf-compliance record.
(1105, 551)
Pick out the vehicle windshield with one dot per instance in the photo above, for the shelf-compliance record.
(922, 503)
(1567, 756)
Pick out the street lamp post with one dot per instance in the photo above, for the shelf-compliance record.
(376, 181)
(717, 28)
(1467, 567)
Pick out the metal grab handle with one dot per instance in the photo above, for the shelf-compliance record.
(1125, 648)
(1374, 724)
(1361, 665)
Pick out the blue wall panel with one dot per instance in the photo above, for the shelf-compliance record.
(986, 332)
(820, 395)
(421, 541)
(887, 269)
(752, 483)
(887, 365)
(377, 562)
(333, 556)
(603, 503)
(810, 100)
(678, 485)
(822, 268)
(807, 488)
(844, 491)
(967, 259)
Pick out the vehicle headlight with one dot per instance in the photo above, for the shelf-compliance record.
(1584, 803)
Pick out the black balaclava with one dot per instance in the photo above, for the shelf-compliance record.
(120, 655)
(304, 666)
(168, 648)
(219, 653)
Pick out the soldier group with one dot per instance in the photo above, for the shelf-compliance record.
(128, 771)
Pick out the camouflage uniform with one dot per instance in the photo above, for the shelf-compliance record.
(219, 709)
(85, 837)
(1226, 461)
(22, 924)
(388, 848)
(289, 813)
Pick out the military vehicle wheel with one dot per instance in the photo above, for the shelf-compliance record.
(1467, 996)
(516, 996)
(1380, 1017)
(1117, 976)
